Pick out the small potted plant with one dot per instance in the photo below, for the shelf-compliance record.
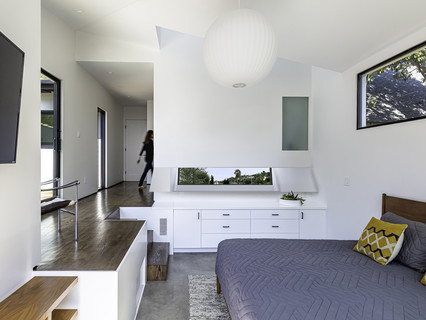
(291, 199)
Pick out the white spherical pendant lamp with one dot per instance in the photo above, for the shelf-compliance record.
(240, 48)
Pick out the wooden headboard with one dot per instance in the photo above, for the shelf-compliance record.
(410, 209)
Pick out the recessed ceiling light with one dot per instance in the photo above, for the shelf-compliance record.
(78, 11)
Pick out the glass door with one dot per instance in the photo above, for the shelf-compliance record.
(50, 127)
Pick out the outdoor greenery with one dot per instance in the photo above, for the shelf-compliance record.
(200, 176)
(412, 66)
(237, 175)
(47, 120)
(193, 176)
(406, 68)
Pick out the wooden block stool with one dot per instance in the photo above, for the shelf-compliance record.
(158, 260)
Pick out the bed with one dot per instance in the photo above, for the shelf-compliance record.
(321, 279)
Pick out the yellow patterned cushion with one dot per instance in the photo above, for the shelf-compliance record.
(424, 279)
(381, 241)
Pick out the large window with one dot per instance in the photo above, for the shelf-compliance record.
(224, 179)
(224, 176)
(394, 90)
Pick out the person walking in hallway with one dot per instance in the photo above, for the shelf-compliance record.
(148, 147)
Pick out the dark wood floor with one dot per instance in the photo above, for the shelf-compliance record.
(102, 243)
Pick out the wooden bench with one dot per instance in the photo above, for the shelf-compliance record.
(157, 259)
(38, 298)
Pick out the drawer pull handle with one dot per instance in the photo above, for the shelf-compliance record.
(275, 226)
(226, 227)
(275, 214)
(226, 214)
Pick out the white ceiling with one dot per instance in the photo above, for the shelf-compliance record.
(333, 34)
(130, 83)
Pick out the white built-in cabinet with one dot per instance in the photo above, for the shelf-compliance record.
(218, 225)
(312, 224)
(205, 228)
(275, 223)
(187, 228)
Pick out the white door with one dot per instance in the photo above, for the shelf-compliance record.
(135, 131)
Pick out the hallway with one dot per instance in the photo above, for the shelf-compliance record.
(59, 251)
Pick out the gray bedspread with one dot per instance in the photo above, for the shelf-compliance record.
(314, 279)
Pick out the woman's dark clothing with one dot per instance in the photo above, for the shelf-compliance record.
(148, 167)
(149, 149)
(149, 157)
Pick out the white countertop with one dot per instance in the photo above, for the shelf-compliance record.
(236, 205)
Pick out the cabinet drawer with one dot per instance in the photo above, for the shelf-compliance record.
(226, 214)
(211, 240)
(225, 226)
(275, 226)
(275, 214)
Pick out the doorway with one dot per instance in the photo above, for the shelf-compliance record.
(101, 149)
(134, 133)
(50, 126)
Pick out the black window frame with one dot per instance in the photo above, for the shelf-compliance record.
(360, 86)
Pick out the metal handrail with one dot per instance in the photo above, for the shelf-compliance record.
(50, 181)
(71, 184)
(75, 184)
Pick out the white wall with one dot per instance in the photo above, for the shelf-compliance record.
(20, 182)
(150, 115)
(199, 123)
(134, 113)
(133, 141)
(388, 159)
(115, 146)
(81, 96)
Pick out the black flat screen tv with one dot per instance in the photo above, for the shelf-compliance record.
(11, 73)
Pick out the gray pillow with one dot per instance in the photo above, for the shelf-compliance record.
(413, 250)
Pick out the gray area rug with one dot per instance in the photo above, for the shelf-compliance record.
(204, 302)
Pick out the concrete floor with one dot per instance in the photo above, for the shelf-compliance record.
(170, 299)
